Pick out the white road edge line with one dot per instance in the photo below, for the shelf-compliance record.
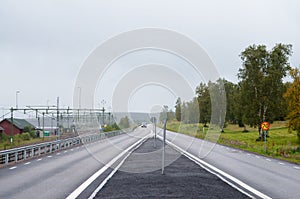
(295, 167)
(114, 171)
(218, 171)
(84, 185)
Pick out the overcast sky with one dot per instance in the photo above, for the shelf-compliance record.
(44, 43)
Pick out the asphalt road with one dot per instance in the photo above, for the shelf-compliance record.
(182, 178)
(59, 174)
(275, 178)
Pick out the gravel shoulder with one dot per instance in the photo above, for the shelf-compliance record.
(182, 177)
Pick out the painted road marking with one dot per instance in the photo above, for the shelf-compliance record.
(257, 156)
(249, 154)
(27, 163)
(39, 159)
(269, 160)
(65, 151)
(84, 185)
(221, 174)
(113, 172)
(11, 168)
(49, 156)
(72, 149)
(295, 167)
(281, 163)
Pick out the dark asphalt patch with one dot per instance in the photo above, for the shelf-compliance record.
(182, 179)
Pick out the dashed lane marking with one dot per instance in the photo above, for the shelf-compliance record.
(39, 159)
(269, 160)
(58, 154)
(257, 156)
(49, 156)
(11, 168)
(281, 163)
(295, 167)
(27, 163)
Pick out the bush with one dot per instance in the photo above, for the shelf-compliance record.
(32, 134)
(25, 136)
(112, 127)
(4, 137)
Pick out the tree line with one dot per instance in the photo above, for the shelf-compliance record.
(259, 95)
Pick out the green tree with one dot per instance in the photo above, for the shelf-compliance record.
(238, 107)
(218, 105)
(166, 114)
(292, 96)
(124, 122)
(261, 81)
(30, 130)
(190, 111)
(204, 102)
(178, 109)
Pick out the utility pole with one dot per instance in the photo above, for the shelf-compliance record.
(17, 92)
(12, 124)
(68, 118)
(103, 102)
(43, 125)
(79, 102)
(57, 119)
(52, 117)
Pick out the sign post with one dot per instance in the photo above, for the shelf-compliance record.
(164, 143)
(154, 120)
(265, 126)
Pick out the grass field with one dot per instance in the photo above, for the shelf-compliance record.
(281, 144)
(18, 143)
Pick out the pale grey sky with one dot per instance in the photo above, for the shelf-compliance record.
(44, 43)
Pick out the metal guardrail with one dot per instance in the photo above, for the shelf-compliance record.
(22, 153)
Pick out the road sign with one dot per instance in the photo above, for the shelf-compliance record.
(265, 126)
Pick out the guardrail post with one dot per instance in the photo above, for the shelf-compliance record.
(6, 158)
(39, 151)
(16, 156)
(50, 147)
(32, 152)
(24, 154)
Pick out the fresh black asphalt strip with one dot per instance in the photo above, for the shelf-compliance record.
(182, 179)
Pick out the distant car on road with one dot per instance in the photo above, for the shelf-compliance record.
(144, 125)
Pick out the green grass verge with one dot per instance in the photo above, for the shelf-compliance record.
(281, 144)
(4, 145)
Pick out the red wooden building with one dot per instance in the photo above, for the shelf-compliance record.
(17, 127)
